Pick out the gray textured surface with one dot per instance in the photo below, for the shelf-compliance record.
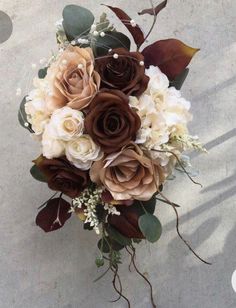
(57, 270)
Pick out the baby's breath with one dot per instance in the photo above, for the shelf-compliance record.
(89, 199)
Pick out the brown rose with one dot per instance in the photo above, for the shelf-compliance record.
(72, 79)
(127, 222)
(62, 176)
(126, 73)
(128, 174)
(111, 122)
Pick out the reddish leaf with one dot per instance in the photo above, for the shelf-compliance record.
(171, 56)
(136, 32)
(54, 215)
(154, 11)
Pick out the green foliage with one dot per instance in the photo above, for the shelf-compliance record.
(99, 262)
(179, 80)
(104, 24)
(77, 20)
(150, 227)
(22, 117)
(42, 72)
(111, 40)
(37, 174)
(116, 236)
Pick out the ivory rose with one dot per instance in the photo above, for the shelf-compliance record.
(66, 124)
(82, 152)
(73, 82)
(128, 174)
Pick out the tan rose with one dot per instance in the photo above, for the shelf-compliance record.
(128, 174)
(72, 79)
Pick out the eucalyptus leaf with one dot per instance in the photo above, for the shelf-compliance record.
(77, 21)
(111, 40)
(103, 245)
(37, 174)
(22, 117)
(150, 227)
(42, 72)
(119, 238)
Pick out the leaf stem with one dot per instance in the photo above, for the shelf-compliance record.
(153, 25)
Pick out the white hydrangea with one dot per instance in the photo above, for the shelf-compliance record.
(35, 107)
(162, 110)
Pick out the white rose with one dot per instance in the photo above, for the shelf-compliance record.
(66, 124)
(51, 147)
(82, 152)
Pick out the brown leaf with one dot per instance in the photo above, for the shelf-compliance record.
(136, 32)
(171, 56)
(54, 215)
(154, 11)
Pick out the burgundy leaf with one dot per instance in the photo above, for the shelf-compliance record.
(54, 215)
(171, 56)
(136, 32)
(154, 11)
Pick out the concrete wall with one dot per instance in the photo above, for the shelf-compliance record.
(57, 270)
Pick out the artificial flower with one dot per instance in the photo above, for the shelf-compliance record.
(51, 146)
(128, 174)
(123, 70)
(82, 152)
(73, 82)
(111, 122)
(127, 222)
(62, 176)
(66, 124)
(35, 107)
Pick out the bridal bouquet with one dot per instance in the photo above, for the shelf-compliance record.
(112, 126)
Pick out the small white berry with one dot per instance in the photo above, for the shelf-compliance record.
(141, 63)
(73, 43)
(102, 34)
(93, 27)
(26, 124)
(133, 23)
(95, 33)
(115, 56)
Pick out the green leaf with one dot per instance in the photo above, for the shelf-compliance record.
(150, 227)
(42, 72)
(149, 205)
(77, 20)
(103, 245)
(119, 238)
(22, 117)
(105, 248)
(37, 174)
(179, 80)
(99, 262)
(111, 40)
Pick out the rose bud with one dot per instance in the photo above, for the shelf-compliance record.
(62, 176)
